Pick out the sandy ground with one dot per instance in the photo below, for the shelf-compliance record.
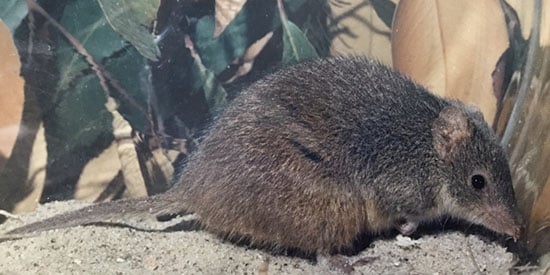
(123, 250)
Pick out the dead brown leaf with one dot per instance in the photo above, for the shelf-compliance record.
(11, 92)
(246, 62)
(451, 47)
(102, 178)
(539, 222)
(225, 11)
(524, 9)
(528, 145)
(359, 31)
(127, 154)
(97, 175)
(22, 140)
(530, 155)
(36, 176)
(159, 169)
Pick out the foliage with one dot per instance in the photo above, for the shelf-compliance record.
(12, 12)
(164, 69)
(142, 79)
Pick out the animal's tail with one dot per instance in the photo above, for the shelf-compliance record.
(114, 211)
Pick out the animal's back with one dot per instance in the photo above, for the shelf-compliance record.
(296, 160)
(316, 154)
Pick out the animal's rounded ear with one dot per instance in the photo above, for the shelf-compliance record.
(475, 111)
(449, 131)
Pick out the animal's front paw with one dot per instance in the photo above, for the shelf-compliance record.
(406, 227)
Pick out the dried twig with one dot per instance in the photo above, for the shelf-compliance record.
(103, 75)
(9, 215)
(471, 254)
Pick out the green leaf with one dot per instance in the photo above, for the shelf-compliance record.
(77, 130)
(85, 21)
(132, 72)
(80, 117)
(255, 20)
(131, 20)
(385, 10)
(78, 121)
(296, 47)
(214, 93)
(12, 13)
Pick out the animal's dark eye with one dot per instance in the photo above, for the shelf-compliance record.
(478, 182)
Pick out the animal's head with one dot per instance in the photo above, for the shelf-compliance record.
(479, 185)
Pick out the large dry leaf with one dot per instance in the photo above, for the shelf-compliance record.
(98, 174)
(451, 47)
(359, 31)
(102, 178)
(529, 146)
(11, 93)
(160, 170)
(120, 156)
(539, 221)
(225, 11)
(545, 24)
(527, 132)
(22, 141)
(127, 154)
(36, 176)
(524, 10)
(246, 62)
(23, 176)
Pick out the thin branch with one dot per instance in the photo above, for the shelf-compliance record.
(526, 80)
(9, 215)
(472, 258)
(103, 75)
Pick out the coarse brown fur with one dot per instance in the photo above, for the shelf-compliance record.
(315, 154)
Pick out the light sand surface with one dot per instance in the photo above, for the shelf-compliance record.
(123, 250)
